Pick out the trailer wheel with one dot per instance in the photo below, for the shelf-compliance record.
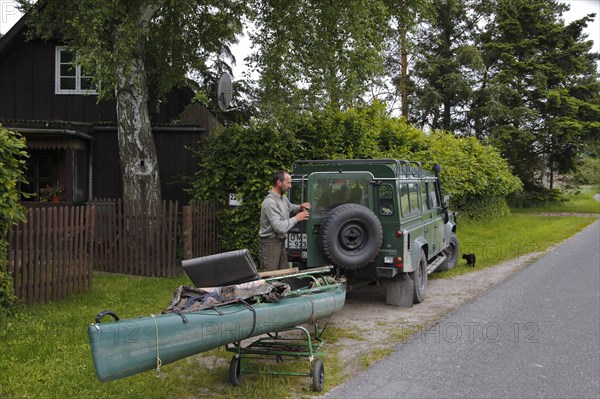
(235, 371)
(351, 235)
(419, 277)
(318, 375)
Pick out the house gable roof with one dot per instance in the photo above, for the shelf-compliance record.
(9, 39)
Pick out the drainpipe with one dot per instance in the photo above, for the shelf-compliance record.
(90, 174)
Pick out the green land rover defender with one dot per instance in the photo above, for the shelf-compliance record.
(381, 220)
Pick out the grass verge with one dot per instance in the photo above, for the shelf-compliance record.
(511, 238)
(583, 202)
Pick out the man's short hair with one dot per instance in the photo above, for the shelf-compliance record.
(279, 176)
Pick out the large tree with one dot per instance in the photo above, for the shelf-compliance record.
(404, 18)
(539, 100)
(312, 53)
(446, 65)
(130, 45)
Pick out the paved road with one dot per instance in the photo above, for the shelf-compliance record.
(537, 334)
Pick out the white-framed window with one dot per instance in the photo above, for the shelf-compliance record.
(69, 77)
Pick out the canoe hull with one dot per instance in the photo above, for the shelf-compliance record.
(127, 347)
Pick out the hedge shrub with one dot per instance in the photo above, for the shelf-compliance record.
(12, 164)
(243, 159)
(475, 176)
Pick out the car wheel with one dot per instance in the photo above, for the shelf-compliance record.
(351, 235)
(451, 254)
(419, 277)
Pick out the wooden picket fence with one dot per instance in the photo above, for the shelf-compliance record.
(201, 228)
(131, 239)
(50, 256)
(53, 254)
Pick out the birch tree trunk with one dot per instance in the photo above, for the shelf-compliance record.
(137, 151)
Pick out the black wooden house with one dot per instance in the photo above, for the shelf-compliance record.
(72, 138)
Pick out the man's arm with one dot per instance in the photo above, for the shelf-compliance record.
(280, 224)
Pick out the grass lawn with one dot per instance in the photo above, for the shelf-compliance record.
(44, 349)
(584, 202)
(512, 237)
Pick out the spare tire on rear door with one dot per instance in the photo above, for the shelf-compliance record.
(351, 236)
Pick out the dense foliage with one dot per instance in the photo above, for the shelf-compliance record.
(475, 175)
(331, 57)
(587, 172)
(511, 73)
(242, 160)
(12, 163)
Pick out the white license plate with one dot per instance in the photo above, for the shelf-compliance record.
(296, 241)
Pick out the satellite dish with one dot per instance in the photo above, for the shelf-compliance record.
(224, 91)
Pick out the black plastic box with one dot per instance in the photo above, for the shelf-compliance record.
(222, 269)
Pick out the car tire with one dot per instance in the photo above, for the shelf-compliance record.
(451, 253)
(351, 235)
(419, 277)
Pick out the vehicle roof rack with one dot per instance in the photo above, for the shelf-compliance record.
(402, 167)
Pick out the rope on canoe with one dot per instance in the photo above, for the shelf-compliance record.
(247, 305)
(158, 361)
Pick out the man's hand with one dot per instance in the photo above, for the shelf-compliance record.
(300, 216)
(305, 206)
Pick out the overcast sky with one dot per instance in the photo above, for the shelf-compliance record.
(9, 14)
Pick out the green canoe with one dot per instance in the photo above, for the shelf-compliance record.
(127, 347)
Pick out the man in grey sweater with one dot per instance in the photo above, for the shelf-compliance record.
(276, 221)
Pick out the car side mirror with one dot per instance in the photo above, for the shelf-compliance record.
(446, 201)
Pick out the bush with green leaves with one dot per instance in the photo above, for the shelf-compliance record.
(587, 172)
(12, 164)
(366, 132)
(475, 176)
(242, 160)
(538, 197)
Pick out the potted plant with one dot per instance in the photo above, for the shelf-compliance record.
(51, 193)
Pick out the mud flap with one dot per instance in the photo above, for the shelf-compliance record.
(399, 291)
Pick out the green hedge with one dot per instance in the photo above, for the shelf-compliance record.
(475, 176)
(12, 164)
(242, 160)
(535, 198)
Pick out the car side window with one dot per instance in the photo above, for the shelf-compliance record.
(404, 200)
(413, 194)
(433, 195)
(386, 200)
(424, 201)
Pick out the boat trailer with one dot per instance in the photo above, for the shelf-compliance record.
(280, 346)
